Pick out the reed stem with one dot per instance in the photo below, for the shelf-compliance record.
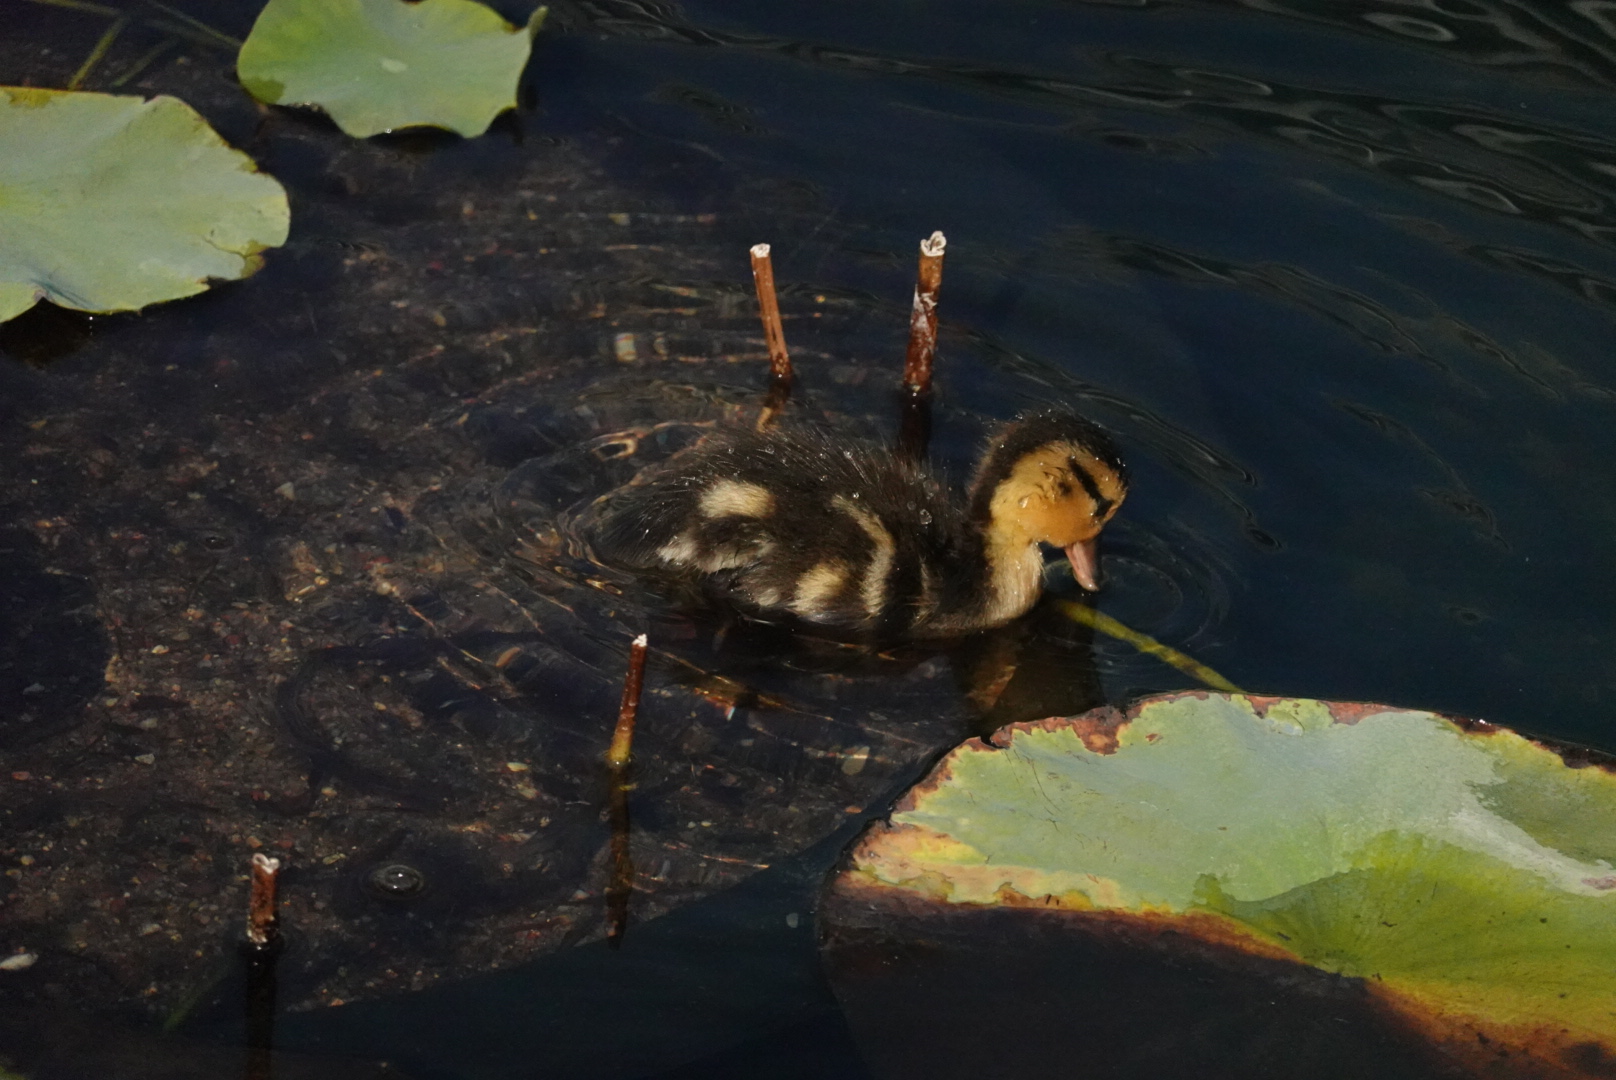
(769, 309)
(623, 736)
(260, 953)
(923, 316)
(263, 924)
(620, 886)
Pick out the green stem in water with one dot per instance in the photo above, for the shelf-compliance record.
(82, 5)
(195, 23)
(143, 63)
(98, 52)
(1146, 644)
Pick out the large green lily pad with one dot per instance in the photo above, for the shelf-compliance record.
(1467, 874)
(380, 65)
(110, 203)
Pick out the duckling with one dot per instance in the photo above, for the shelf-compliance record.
(789, 523)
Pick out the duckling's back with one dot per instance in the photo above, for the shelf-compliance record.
(793, 523)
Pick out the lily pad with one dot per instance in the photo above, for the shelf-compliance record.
(1466, 875)
(110, 203)
(380, 65)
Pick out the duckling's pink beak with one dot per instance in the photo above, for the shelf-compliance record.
(1085, 560)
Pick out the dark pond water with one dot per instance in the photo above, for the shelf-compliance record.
(1340, 277)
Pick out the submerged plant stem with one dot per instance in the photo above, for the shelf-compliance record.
(1146, 644)
(914, 424)
(82, 5)
(101, 46)
(195, 23)
(621, 884)
(143, 63)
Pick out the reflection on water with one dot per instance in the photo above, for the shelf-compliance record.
(1577, 43)
(1488, 158)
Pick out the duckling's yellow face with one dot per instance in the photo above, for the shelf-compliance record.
(1059, 494)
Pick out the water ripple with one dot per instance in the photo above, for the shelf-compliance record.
(1483, 158)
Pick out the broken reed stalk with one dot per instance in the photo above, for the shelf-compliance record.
(623, 737)
(923, 316)
(621, 884)
(262, 949)
(773, 333)
(769, 310)
(262, 922)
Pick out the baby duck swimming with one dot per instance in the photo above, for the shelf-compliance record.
(851, 538)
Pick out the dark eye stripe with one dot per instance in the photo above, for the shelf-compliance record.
(1102, 505)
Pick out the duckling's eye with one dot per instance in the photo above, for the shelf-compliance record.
(1102, 505)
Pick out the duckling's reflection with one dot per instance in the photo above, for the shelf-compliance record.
(1042, 665)
(1038, 666)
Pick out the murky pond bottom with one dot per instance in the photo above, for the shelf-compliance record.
(279, 571)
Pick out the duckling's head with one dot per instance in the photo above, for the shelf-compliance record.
(1054, 478)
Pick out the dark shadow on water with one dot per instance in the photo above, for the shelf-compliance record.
(730, 984)
(46, 332)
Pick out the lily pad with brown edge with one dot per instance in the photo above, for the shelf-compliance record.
(382, 65)
(112, 202)
(1444, 889)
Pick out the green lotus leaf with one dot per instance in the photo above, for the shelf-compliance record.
(1467, 874)
(380, 65)
(110, 203)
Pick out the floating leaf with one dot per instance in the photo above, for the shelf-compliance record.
(1467, 874)
(110, 203)
(380, 65)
